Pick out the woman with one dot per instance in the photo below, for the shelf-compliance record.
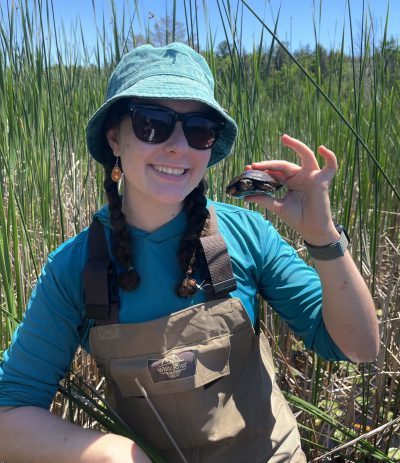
(174, 318)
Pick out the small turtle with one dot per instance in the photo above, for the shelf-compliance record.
(252, 182)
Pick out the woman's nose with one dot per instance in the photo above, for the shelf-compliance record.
(177, 142)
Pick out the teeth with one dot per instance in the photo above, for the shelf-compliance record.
(169, 170)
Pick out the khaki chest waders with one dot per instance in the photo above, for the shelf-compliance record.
(199, 384)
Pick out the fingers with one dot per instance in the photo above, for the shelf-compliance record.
(330, 159)
(284, 170)
(307, 156)
(308, 159)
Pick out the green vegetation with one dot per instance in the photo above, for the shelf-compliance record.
(49, 86)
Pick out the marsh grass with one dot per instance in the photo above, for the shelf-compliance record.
(50, 188)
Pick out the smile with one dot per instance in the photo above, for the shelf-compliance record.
(169, 170)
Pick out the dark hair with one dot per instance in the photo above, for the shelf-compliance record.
(122, 248)
(195, 205)
(189, 248)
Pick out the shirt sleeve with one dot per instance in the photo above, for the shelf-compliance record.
(46, 340)
(293, 289)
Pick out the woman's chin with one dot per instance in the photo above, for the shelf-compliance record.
(165, 200)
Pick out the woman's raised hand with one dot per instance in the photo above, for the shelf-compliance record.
(305, 206)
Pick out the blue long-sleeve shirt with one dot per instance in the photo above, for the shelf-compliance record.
(54, 323)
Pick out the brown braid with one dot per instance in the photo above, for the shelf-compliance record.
(122, 247)
(197, 212)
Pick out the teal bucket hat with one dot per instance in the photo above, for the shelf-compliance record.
(175, 71)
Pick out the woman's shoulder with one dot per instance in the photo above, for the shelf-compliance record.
(245, 229)
(239, 218)
(73, 253)
(233, 212)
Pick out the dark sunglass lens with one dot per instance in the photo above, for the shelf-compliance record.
(201, 132)
(152, 125)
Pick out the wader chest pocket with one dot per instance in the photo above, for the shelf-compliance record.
(176, 370)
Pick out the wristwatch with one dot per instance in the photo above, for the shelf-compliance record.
(330, 251)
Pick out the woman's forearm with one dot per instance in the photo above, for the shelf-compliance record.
(31, 434)
(348, 309)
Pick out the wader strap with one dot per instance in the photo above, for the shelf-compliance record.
(100, 279)
(218, 261)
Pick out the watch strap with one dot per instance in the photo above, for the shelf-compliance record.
(330, 251)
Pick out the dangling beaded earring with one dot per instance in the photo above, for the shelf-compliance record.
(116, 173)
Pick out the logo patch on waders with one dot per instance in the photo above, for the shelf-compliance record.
(174, 366)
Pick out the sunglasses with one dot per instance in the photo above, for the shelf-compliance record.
(155, 124)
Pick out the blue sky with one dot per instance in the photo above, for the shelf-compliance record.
(295, 21)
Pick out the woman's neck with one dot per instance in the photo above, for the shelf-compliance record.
(149, 217)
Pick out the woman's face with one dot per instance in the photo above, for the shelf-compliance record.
(159, 175)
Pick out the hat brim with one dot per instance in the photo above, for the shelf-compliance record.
(166, 87)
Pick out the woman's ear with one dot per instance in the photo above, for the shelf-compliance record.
(112, 135)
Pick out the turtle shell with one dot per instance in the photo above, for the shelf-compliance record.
(252, 182)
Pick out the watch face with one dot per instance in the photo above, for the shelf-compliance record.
(341, 229)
